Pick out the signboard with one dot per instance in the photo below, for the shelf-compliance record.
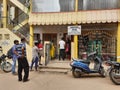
(74, 30)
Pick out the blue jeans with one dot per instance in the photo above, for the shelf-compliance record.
(14, 64)
(34, 60)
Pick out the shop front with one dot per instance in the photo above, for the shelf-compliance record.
(100, 38)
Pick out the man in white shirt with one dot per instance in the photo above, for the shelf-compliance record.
(62, 49)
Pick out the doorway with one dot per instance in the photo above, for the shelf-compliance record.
(52, 38)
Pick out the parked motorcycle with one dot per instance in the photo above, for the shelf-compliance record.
(114, 71)
(4, 64)
(80, 67)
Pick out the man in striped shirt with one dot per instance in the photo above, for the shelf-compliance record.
(22, 61)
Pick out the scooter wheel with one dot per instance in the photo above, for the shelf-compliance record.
(76, 73)
(102, 72)
(7, 67)
(115, 76)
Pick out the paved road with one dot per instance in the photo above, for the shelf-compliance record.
(47, 81)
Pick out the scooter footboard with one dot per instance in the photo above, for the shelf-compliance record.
(80, 65)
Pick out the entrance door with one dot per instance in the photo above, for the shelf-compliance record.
(51, 37)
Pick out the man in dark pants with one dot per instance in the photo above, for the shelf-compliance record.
(62, 49)
(22, 61)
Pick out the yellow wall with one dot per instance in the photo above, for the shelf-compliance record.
(118, 43)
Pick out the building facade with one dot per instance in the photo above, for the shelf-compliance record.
(99, 19)
(49, 20)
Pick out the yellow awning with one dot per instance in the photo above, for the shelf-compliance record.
(95, 16)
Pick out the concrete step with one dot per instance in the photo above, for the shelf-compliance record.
(56, 66)
(54, 69)
(59, 64)
(17, 27)
(48, 70)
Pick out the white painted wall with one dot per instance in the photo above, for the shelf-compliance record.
(7, 44)
(49, 29)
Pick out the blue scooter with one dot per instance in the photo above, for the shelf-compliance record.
(80, 67)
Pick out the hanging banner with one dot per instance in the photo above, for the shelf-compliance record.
(74, 30)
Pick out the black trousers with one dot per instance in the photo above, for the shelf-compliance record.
(23, 65)
(62, 54)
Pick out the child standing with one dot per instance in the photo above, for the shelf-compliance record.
(35, 56)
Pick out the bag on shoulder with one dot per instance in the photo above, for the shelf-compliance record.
(67, 48)
(10, 53)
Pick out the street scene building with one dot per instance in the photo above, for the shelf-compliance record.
(49, 21)
(48, 29)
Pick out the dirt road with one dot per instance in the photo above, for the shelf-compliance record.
(47, 81)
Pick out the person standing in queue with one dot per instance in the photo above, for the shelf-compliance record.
(14, 57)
(62, 49)
(68, 48)
(22, 61)
(35, 57)
(40, 53)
